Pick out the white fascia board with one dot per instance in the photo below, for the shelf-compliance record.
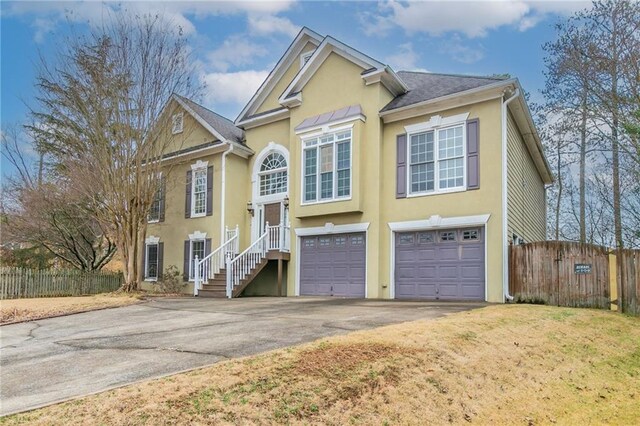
(291, 54)
(479, 94)
(277, 115)
(330, 228)
(437, 222)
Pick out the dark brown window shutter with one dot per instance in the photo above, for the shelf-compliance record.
(160, 260)
(401, 166)
(143, 266)
(207, 247)
(187, 202)
(209, 190)
(163, 197)
(473, 154)
(185, 267)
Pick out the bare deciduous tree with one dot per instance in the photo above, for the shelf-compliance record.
(102, 117)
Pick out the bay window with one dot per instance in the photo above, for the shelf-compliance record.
(327, 167)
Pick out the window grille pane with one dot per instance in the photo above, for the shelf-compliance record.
(310, 170)
(450, 143)
(406, 239)
(273, 183)
(451, 173)
(326, 185)
(447, 236)
(470, 235)
(324, 241)
(152, 261)
(326, 159)
(200, 191)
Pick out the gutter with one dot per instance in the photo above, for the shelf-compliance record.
(223, 192)
(505, 213)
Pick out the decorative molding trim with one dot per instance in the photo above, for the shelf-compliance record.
(437, 221)
(197, 235)
(437, 121)
(200, 165)
(330, 228)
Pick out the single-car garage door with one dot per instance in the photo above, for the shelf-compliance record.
(444, 264)
(333, 265)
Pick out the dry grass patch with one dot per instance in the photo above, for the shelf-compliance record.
(17, 310)
(498, 365)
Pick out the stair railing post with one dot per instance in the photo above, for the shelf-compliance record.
(196, 276)
(229, 273)
(236, 243)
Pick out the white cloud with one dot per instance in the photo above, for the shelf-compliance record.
(177, 12)
(461, 51)
(405, 59)
(270, 24)
(233, 87)
(471, 18)
(236, 50)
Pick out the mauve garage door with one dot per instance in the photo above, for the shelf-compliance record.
(446, 264)
(333, 265)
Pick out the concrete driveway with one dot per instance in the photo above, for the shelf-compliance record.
(55, 359)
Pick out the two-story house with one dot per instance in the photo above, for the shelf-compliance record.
(342, 177)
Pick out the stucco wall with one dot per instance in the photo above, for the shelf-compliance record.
(485, 200)
(271, 101)
(525, 189)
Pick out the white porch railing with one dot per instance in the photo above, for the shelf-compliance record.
(273, 238)
(210, 265)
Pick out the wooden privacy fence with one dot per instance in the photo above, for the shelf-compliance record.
(564, 273)
(18, 283)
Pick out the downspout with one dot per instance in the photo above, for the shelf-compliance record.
(505, 213)
(223, 193)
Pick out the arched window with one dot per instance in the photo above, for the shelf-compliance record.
(273, 174)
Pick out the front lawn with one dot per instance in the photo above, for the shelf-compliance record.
(17, 310)
(517, 364)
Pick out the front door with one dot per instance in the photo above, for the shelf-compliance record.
(272, 217)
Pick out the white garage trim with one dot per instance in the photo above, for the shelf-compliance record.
(434, 222)
(328, 229)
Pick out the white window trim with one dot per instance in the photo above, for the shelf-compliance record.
(149, 241)
(174, 129)
(335, 198)
(433, 223)
(330, 229)
(435, 124)
(196, 167)
(196, 236)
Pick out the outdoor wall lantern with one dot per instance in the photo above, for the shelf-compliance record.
(250, 207)
(285, 202)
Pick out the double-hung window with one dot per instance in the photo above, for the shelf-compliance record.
(327, 167)
(436, 160)
(151, 267)
(199, 199)
(197, 249)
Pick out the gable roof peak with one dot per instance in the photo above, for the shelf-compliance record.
(218, 125)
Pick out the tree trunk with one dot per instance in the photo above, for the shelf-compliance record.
(583, 159)
(615, 148)
(559, 200)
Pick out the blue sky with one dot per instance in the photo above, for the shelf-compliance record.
(237, 43)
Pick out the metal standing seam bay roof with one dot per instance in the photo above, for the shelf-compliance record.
(222, 124)
(424, 86)
(328, 117)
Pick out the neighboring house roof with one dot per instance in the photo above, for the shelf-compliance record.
(425, 86)
(329, 117)
(223, 126)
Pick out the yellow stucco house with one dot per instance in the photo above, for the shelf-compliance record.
(343, 178)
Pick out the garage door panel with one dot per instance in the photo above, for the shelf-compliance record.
(447, 264)
(333, 265)
(472, 253)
